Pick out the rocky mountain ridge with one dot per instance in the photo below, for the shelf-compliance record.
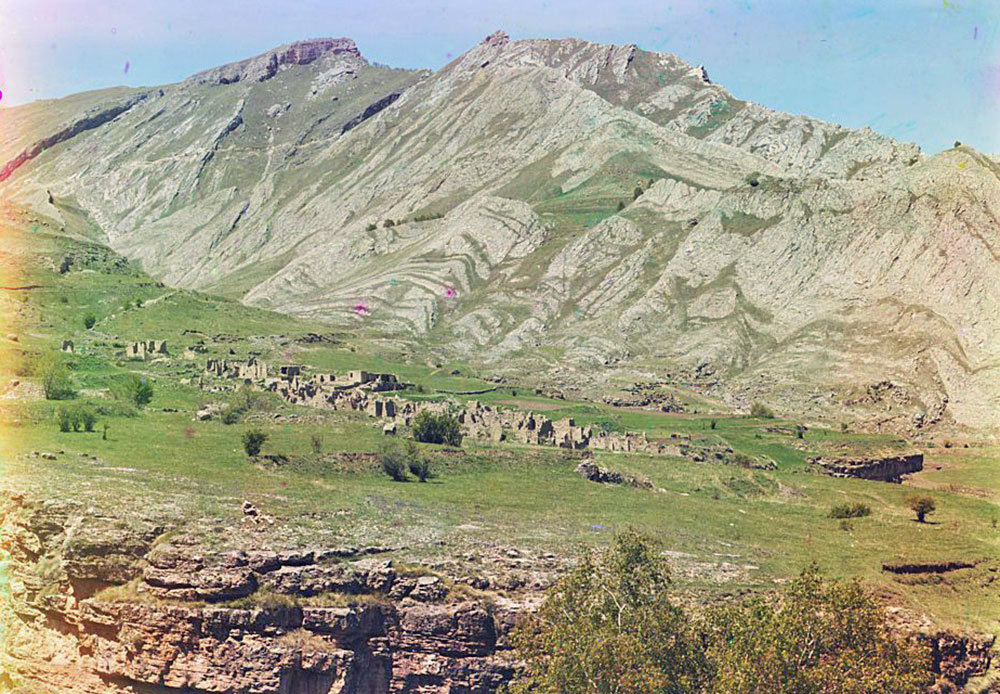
(563, 209)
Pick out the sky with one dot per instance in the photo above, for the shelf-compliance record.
(924, 71)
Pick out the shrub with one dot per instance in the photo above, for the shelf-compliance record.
(621, 205)
(253, 441)
(850, 510)
(56, 382)
(89, 320)
(104, 433)
(800, 431)
(437, 428)
(753, 179)
(371, 227)
(394, 460)
(135, 389)
(843, 426)
(817, 637)
(419, 466)
(923, 506)
(64, 419)
(636, 193)
(244, 400)
(230, 414)
(761, 410)
(317, 444)
(388, 224)
(712, 424)
(88, 417)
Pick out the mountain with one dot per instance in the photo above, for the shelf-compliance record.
(565, 212)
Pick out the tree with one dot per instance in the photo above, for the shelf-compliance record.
(437, 428)
(317, 444)
(636, 193)
(253, 441)
(609, 626)
(137, 390)
(923, 506)
(761, 410)
(817, 637)
(621, 205)
(56, 382)
(89, 320)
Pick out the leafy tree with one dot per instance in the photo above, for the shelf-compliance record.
(89, 320)
(818, 637)
(56, 382)
(437, 428)
(137, 390)
(253, 441)
(609, 626)
(923, 506)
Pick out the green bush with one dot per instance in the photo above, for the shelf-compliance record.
(316, 440)
(636, 193)
(761, 410)
(437, 428)
(419, 466)
(850, 510)
(56, 381)
(64, 419)
(253, 441)
(88, 417)
(394, 460)
(621, 205)
(371, 227)
(611, 625)
(89, 320)
(135, 390)
(817, 637)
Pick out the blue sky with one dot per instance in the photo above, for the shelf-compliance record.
(920, 70)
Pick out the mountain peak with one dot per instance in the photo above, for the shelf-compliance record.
(264, 66)
(497, 38)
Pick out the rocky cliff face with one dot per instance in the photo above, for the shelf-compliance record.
(268, 622)
(607, 204)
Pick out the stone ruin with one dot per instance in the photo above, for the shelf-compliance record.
(247, 371)
(146, 349)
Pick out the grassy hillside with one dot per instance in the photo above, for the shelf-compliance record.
(727, 527)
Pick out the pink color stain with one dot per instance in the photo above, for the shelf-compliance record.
(361, 309)
(1, 95)
(450, 293)
(189, 432)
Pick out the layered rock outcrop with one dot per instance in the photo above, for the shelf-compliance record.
(886, 469)
(271, 622)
